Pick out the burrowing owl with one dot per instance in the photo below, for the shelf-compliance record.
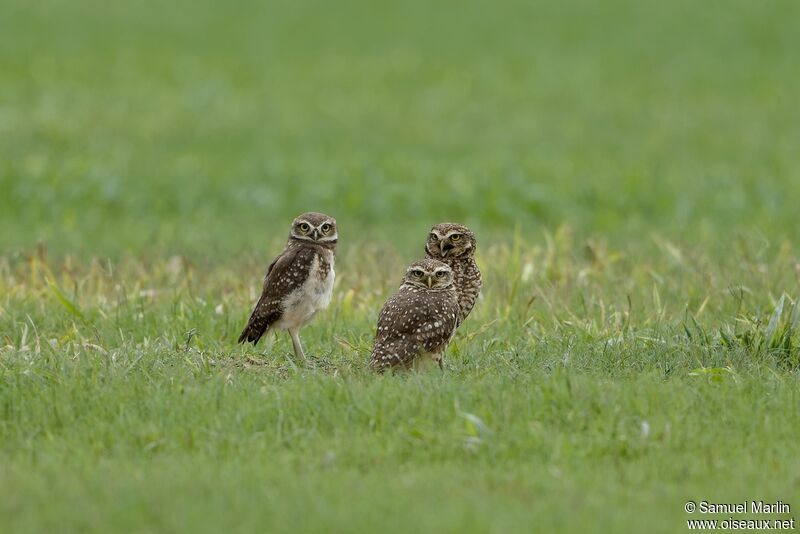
(418, 320)
(298, 283)
(454, 244)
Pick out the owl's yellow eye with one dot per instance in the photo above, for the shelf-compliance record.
(455, 237)
(418, 273)
(434, 237)
(440, 274)
(326, 228)
(304, 227)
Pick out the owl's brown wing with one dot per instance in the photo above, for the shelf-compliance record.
(439, 329)
(468, 282)
(410, 323)
(285, 274)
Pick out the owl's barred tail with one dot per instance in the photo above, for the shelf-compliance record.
(247, 336)
(253, 331)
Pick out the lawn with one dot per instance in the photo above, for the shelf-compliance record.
(630, 169)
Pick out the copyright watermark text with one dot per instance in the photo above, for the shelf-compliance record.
(744, 508)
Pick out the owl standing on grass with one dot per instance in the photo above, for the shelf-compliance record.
(298, 283)
(419, 320)
(454, 244)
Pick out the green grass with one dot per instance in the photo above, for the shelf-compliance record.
(629, 167)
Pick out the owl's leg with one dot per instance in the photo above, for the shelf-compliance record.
(298, 348)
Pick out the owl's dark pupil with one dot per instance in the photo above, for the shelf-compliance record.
(304, 227)
(326, 227)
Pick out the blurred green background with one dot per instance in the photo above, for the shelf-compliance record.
(203, 127)
(636, 345)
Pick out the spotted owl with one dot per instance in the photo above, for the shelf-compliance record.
(454, 244)
(419, 320)
(298, 283)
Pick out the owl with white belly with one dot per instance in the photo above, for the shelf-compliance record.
(298, 283)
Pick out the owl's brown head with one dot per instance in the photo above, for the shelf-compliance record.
(429, 274)
(315, 227)
(450, 240)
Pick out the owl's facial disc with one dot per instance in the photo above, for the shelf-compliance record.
(443, 277)
(432, 247)
(416, 276)
(326, 232)
(429, 273)
(454, 244)
(302, 229)
(306, 230)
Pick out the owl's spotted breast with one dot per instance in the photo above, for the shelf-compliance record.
(419, 319)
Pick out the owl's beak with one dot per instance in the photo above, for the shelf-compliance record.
(315, 234)
(430, 281)
(445, 247)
